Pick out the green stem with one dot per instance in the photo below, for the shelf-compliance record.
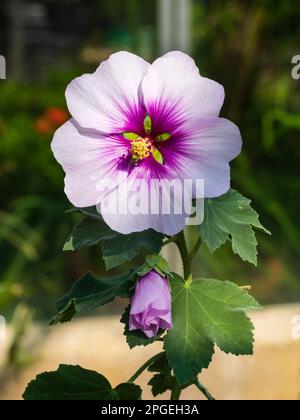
(204, 391)
(176, 392)
(184, 252)
(144, 367)
(196, 248)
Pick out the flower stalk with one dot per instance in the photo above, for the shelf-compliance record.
(144, 367)
(196, 248)
(180, 241)
(176, 392)
(204, 390)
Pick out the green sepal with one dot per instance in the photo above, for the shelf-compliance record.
(157, 263)
(73, 383)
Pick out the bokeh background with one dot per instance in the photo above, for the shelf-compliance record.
(245, 45)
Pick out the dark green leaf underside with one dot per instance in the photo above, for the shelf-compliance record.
(89, 293)
(75, 383)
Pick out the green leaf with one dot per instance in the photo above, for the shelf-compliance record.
(161, 383)
(207, 312)
(89, 293)
(90, 231)
(158, 156)
(148, 124)
(117, 248)
(127, 392)
(75, 383)
(164, 380)
(136, 338)
(123, 248)
(163, 137)
(231, 217)
(131, 136)
(157, 263)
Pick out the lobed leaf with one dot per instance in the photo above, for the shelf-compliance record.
(123, 248)
(117, 249)
(207, 312)
(163, 380)
(231, 217)
(75, 383)
(89, 293)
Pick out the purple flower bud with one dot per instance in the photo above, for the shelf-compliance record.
(151, 305)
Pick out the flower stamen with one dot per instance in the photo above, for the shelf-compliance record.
(141, 148)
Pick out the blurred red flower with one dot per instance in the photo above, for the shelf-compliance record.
(57, 116)
(51, 120)
(43, 126)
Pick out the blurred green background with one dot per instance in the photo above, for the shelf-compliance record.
(245, 45)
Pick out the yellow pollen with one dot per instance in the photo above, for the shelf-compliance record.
(141, 148)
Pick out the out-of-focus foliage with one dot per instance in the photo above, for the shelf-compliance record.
(248, 47)
(32, 222)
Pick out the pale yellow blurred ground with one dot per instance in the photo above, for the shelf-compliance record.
(273, 373)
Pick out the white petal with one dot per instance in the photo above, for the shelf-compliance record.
(207, 150)
(174, 86)
(109, 99)
(87, 158)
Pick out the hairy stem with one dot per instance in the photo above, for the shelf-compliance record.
(144, 367)
(184, 252)
(204, 391)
